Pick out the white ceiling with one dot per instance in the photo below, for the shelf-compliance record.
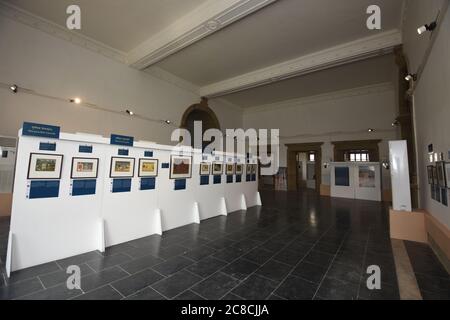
(363, 73)
(120, 24)
(281, 31)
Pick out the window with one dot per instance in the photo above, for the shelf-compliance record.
(312, 157)
(358, 156)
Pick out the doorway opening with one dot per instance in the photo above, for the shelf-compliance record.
(306, 171)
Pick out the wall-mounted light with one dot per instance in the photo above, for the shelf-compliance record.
(131, 113)
(386, 165)
(370, 130)
(411, 77)
(427, 27)
(167, 121)
(14, 88)
(75, 100)
(396, 123)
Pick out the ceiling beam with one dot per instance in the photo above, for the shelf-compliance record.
(364, 48)
(208, 18)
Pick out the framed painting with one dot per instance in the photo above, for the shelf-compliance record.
(435, 178)
(440, 167)
(45, 166)
(217, 168)
(239, 169)
(122, 167)
(205, 169)
(229, 169)
(84, 168)
(248, 168)
(430, 174)
(447, 174)
(180, 167)
(254, 168)
(148, 168)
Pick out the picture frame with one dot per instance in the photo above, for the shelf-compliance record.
(430, 174)
(440, 167)
(84, 168)
(239, 169)
(254, 168)
(43, 166)
(229, 169)
(148, 167)
(217, 168)
(122, 167)
(447, 174)
(248, 168)
(180, 167)
(435, 179)
(205, 168)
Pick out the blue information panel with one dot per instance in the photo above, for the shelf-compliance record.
(121, 185)
(148, 154)
(85, 149)
(46, 146)
(217, 179)
(180, 184)
(148, 183)
(40, 130)
(253, 177)
(122, 140)
(165, 165)
(248, 177)
(342, 176)
(229, 179)
(83, 187)
(204, 180)
(123, 152)
(238, 178)
(44, 189)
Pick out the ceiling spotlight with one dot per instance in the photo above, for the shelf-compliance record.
(428, 27)
(395, 123)
(370, 130)
(76, 100)
(410, 77)
(168, 121)
(131, 113)
(14, 88)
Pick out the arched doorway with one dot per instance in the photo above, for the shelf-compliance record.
(199, 112)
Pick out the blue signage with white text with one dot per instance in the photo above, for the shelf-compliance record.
(122, 140)
(40, 130)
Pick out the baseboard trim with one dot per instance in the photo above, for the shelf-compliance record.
(439, 239)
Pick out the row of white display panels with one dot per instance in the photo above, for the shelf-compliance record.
(47, 229)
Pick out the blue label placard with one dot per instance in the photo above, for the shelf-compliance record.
(253, 177)
(85, 149)
(123, 152)
(148, 183)
(204, 180)
(44, 189)
(45, 146)
(248, 178)
(148, 154)
(40, 130)
(180, 184)
(238, 178)
(217, 179)
(121, 185)
(84, 187)
(229, 179)
(165, 165)
(122, 140)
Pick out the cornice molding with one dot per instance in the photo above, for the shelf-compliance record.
(336, 95)
(360, 49)
(201, 22)
(166, 76)
(39, 23)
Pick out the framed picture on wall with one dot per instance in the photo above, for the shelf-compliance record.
(239, 169)
(205, 169)
(217, 168)
(84, 168)
(148, 168)
(447, 174)
(45, 166)
(229, 169)
(430, 174)
(180, 167)
(248, 168)
(122, 167)
(254, 168)
(440, 167)
(435, 179)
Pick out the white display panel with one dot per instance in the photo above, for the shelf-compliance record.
(49, 229)
(401, 193)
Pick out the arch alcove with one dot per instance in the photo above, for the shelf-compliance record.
(199, 112)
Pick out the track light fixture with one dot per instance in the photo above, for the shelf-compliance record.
(167, 121)
(131, 113)
(14, 88)
(427, 27)
(370, 130)
(75, 100)
(411, 77)
(395, 123)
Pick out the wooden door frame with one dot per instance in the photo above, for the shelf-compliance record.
(292, 151)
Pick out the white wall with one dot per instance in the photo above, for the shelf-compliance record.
(432, 95)
(339, 116)
(49, 65)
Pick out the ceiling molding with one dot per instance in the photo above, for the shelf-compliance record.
(39, 23)
(201, 22)
(364, 48)
(336, 95)
(166, 76)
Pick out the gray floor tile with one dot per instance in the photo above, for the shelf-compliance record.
(176, 284)
(216, 286)
(136, 282)
(103, 293)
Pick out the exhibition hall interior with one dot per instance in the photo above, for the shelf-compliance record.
(241, 150)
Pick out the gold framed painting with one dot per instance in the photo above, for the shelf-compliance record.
(45, 166)
(239, 169)
(205, 169)
(248, 168)
(217, 168)
(148, 168)
(84, 168)
(180, 167)
(229, 169)
(122, 167)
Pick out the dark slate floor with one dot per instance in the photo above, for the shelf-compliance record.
(298, 246)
